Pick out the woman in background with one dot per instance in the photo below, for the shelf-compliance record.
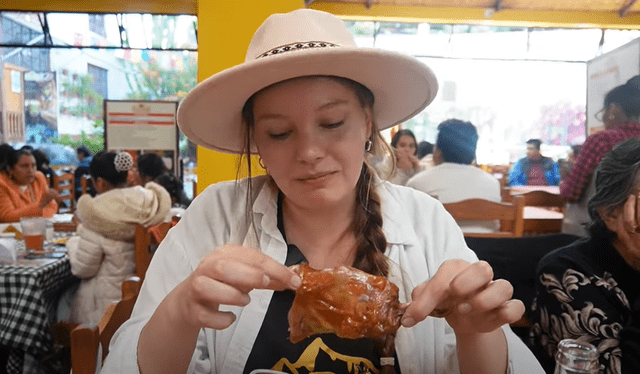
(102, 254)
(23, 189)
(406, 163)
(173, 185)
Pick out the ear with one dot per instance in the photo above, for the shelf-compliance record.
(368, 118)
(437, 156)
(616, 113)
(610, 220)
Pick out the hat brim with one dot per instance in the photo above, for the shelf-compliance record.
(211, 114)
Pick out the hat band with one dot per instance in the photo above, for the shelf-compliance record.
(297, 46)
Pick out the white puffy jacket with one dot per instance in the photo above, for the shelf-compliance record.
(102, 254)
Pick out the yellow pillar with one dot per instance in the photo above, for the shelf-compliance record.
(225, 28)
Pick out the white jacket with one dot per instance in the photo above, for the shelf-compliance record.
(420, 234)
(102, 253)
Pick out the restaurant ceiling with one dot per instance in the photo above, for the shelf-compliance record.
(614, 6)
(615, 14)
(534, 13)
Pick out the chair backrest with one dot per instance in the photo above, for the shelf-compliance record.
(85, 183)
(146, 240)
(65, 185)
(510, 215)
(543, 199)
(86, 341)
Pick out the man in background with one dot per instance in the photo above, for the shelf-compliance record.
(454, 178)
(535, 169)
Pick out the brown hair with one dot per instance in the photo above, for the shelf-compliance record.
(367, 223)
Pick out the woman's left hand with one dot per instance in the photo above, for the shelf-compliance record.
(467, 296)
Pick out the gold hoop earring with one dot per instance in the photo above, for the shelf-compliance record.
(368, 145)
(261, 164)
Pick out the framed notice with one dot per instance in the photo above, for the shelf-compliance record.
(606, 72)
(140, 126)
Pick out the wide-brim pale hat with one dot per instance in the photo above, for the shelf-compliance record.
(301, 43)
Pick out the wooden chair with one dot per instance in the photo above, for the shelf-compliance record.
(86, 341)
(146, 241)
(510, 215)
(85, 183)
(65, 185)
(543, 199)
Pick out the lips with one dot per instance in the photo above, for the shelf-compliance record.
(314, 176)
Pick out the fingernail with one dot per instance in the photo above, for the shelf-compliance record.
(408, 322)
(265, 280)
(464, 308)
(295, 281)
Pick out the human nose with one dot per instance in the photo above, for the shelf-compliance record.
(309, 147)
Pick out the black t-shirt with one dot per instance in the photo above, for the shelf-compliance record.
(326, 353)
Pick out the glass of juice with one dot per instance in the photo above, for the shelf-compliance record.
(33, 231)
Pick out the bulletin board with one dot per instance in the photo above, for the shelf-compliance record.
(141, 126)
(608, 71)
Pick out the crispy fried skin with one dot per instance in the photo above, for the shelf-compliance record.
(345, 301)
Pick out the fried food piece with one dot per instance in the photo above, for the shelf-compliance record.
(345, 301)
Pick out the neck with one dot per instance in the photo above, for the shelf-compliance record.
(325, 235)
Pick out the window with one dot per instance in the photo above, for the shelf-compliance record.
(99, 79)
(96, 24)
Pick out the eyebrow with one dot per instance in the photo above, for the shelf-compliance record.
(333, 103)
(326, 106)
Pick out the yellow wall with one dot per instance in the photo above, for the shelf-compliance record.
(225, 28)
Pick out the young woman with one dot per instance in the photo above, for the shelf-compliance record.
(218, 290)
(406, 163)
(23, 189)
(102, 254)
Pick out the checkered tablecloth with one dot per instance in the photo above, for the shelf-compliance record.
(29, 291)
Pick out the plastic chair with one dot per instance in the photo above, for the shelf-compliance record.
(510, 215)
(86, 341)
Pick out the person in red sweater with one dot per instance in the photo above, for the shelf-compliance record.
(23, 189)
(621, 117)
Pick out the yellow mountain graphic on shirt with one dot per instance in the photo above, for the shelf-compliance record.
(307, 360)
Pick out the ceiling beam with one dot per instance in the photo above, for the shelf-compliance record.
(505, 17)
(625, 9)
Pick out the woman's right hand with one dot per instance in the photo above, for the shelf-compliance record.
(226, 276)
(403, 160)
(50, 194)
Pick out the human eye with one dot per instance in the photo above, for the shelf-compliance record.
(279, 135)
(333, 125)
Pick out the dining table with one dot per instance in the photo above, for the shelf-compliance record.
(542, 220)
(30, 286)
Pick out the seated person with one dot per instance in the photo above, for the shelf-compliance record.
(102, 254)
(216, 295)
(23, 189)
(589, 289)
(453, 178)
(173, 185)
(406, 163)
(42, 165)
(535, 169)
(84, 160)
(150, 167)
(620, 116)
